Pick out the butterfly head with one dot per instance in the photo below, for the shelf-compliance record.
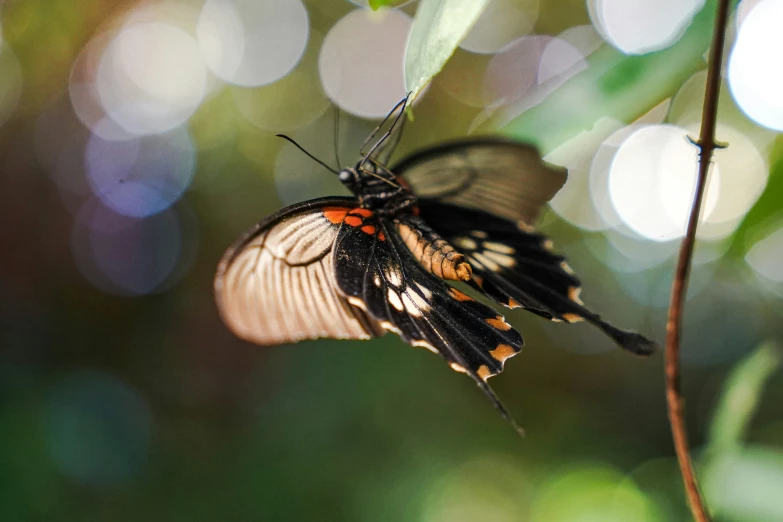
(350, 177)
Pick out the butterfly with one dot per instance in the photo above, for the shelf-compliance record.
(387, 259)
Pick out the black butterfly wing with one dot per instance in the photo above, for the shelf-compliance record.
(480, 173)
(276, 283)
(496, 189)
(377, 272)
(517, 268)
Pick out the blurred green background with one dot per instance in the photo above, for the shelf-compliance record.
(137, 142)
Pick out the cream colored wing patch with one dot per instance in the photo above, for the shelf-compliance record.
(276, 285)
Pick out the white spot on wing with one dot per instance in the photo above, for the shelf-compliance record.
(500, 259)
(457, 368)
(410, 307)
(424, 344)
(498, 247)
(424, 290)
(390, 327)
(423, 305)
(465, 243)
(486, 262)
(394, 300)
(358, 303)
(393, 276)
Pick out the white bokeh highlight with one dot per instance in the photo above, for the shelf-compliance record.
(642, 26)
(361, 61)
(252, 42)
(652, 179)
(502, 22)
(755, 78)
(151, 78)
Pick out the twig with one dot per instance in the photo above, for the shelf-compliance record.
(706, 146)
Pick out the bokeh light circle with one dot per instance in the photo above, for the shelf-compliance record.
(651, 182)
(141, 176)
(488, 488)
(252, 42)
(361, 61)
(583, 37)
(501, 22)
(743, 10)
(151, 78)
(739, 191)
(576, 202)
(641, 26)
(560, 57)
(755, 81)
(122, 255)
(83, 92)
(529, 68)
(600, 166)
(514, 70)
(592, 492)
(97, 429)
(291, 102)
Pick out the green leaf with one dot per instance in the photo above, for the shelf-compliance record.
(741, 395)
(438, 28)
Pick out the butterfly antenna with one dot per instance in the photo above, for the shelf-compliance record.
(387, 153)
(380, 125)
(401, 106)
(337, 135)
(330, 169)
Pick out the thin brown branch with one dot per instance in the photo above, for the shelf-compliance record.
(707, 145)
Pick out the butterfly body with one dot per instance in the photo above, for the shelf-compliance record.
(377, 191)
(385, 259)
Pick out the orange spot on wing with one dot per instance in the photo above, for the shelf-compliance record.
(502, 352)
(381, 236)
(362, 212)
(368, 229)
(513, 303)
(484, 372)
(498, 323)
(459, 296)
(335, 214)
(353, 221)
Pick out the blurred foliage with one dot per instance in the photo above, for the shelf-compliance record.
(146, 408)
